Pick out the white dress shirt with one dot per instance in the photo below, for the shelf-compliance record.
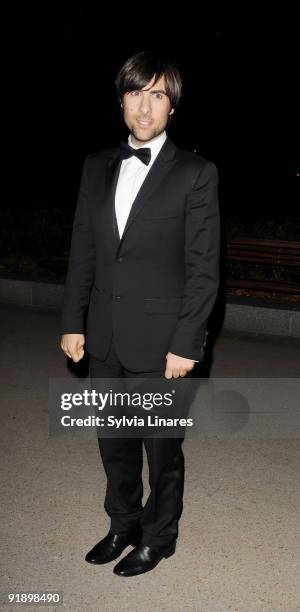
(131, 177)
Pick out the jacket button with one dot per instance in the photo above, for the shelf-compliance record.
(120, 259)
(117, 297)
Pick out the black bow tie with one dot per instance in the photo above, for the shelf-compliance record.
(127, 151)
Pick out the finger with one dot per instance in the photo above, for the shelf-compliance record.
(77, 356)
(168, 373)
(182, 373)
(66, 352)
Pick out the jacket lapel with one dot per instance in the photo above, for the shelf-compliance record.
(158, 171)
(112, 175)
(162, 165)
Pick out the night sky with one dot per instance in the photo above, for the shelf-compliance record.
(239, 105)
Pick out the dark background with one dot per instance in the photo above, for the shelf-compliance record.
(239, 107)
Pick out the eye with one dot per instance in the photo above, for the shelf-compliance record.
(134, 93)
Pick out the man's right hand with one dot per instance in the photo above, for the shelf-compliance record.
(72, 346)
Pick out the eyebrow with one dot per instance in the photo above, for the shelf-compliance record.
(162, 91)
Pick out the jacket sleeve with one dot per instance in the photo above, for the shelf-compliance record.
(202, 253)
(81, 267)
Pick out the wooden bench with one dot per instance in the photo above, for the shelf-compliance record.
(279, 254)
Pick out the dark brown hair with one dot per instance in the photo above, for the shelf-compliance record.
(140, 69)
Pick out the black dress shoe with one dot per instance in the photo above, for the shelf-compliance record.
(111, 547)
(142, 559)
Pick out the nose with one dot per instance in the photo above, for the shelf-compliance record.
(145, 104)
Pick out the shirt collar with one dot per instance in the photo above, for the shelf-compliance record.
(155, 144)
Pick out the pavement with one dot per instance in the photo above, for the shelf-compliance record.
(238, 549)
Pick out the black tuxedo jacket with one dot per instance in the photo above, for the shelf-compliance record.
(154, 288)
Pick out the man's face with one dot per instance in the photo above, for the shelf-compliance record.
(146, 111)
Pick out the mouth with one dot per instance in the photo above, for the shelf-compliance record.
(144, 123)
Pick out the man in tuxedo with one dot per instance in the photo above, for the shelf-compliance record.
(144, 268)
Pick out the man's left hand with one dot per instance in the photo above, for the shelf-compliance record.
(177, 366)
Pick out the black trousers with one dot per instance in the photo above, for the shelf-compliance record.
(123, 461)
